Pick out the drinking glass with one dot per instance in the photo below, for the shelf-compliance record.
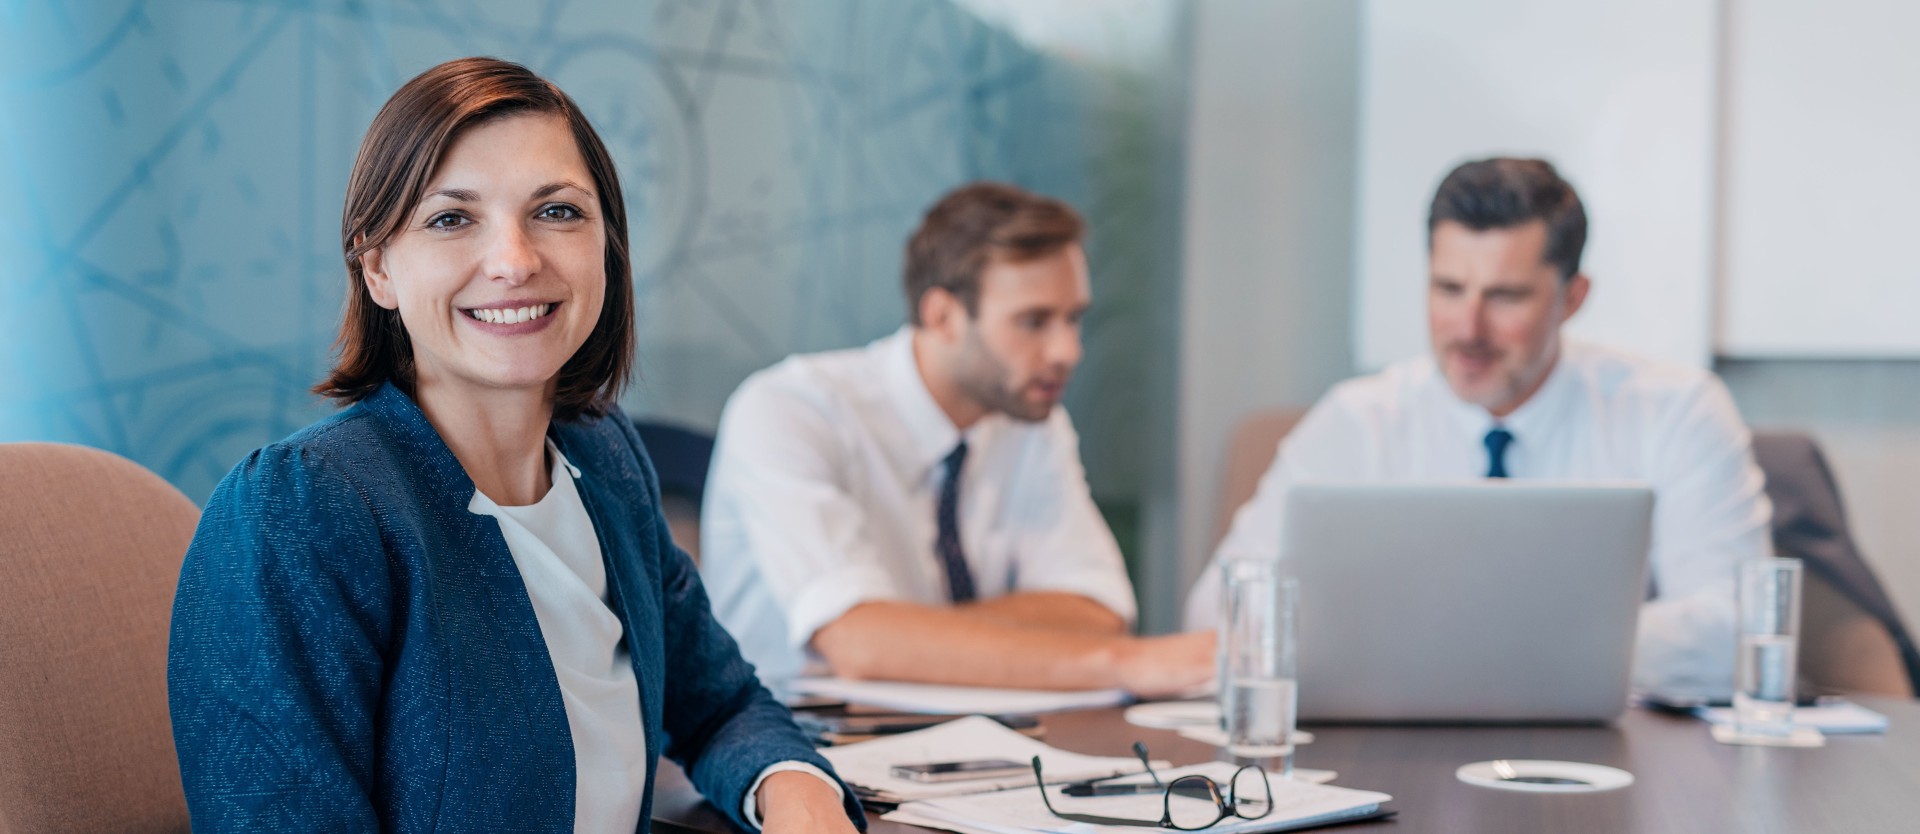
(1258, 692)
(1769, 600)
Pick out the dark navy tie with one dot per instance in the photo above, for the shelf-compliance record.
(1497, 442)
(959, 579)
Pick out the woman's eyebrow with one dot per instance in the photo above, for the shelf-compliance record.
(548, 189)
(456, 194)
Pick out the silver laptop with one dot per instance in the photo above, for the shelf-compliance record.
(1486, 602)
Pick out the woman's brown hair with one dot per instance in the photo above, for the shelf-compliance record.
(403, 146)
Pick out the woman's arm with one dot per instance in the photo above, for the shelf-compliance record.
(726, 729)
(274, 667)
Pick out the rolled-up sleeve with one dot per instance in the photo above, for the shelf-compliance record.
(779, 502)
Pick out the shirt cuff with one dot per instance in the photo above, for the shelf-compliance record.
(749, 807)
(824, 599)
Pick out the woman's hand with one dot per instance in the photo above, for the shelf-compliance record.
(792, 802)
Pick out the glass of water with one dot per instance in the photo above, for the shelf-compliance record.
(1769, 646)
(1257, 690)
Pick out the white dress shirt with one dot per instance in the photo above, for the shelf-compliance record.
(553, 544)
(822, 496)
(1600, 415)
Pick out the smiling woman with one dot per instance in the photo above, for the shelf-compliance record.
(454, 605)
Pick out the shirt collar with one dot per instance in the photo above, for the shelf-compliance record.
(1538, 414)
(1542, 410)
(929, 432)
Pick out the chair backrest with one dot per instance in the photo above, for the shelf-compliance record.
(1851, 637)
(91, 546)
(681, 458)
(1249, 452)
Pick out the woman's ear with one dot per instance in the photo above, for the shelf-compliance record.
(373, 270)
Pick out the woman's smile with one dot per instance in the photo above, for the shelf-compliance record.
(511, 318)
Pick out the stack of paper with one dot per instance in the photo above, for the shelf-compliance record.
(868, 765)
(956, 700)
(1296, 805)
(1830, 717)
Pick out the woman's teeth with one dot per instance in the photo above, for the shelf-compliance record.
(510, 315)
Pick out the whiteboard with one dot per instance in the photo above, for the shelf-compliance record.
(1619, 95)
(1823, 169)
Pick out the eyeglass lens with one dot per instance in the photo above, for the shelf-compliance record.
(1251, 793)
(1194, 802)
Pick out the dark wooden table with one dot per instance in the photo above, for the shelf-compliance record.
(1684, 781)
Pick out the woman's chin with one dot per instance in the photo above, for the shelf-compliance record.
(498, 381)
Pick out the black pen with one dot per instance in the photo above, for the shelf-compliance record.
(1131, 789)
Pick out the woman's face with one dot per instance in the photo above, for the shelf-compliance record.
(500, 271)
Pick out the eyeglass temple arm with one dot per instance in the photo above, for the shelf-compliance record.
(1089, 818)
(1042, 782)
(1140, 750)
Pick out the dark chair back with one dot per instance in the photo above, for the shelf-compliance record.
(1852, 638)
(681, 457)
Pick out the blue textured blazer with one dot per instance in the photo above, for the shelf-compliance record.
(353, 650)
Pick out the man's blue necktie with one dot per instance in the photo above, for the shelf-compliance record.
(1497, 442)
(959, 579)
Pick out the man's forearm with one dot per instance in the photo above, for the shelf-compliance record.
(905, 642)
(1051, 610)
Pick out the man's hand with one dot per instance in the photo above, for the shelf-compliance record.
(1158, 667)
(791, 802)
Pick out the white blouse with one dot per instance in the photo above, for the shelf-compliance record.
(554, 545)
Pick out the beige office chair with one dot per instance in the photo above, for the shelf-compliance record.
(1249, 452)
(90, 548)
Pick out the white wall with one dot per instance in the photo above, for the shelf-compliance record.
(1822, 127)
(1618, 95)
(1265, 300)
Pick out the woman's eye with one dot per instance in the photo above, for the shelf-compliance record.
(559, 211)
(448, 220)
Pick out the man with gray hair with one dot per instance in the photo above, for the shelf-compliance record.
(1504, 395)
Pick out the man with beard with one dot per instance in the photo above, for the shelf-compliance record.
(1504, 395)
(915, 509)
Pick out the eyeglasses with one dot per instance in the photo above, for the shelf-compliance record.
(1247, 795)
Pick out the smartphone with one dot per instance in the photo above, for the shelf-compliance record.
(843, 723)
(957, 771)
(868, 724)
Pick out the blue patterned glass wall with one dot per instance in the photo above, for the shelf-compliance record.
(172, 172)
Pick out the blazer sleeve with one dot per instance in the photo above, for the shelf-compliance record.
(274, 664)
(722, 725)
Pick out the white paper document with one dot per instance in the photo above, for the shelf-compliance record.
(868, 765)
(1297, 804)
(1830, 718)
(956, 700)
